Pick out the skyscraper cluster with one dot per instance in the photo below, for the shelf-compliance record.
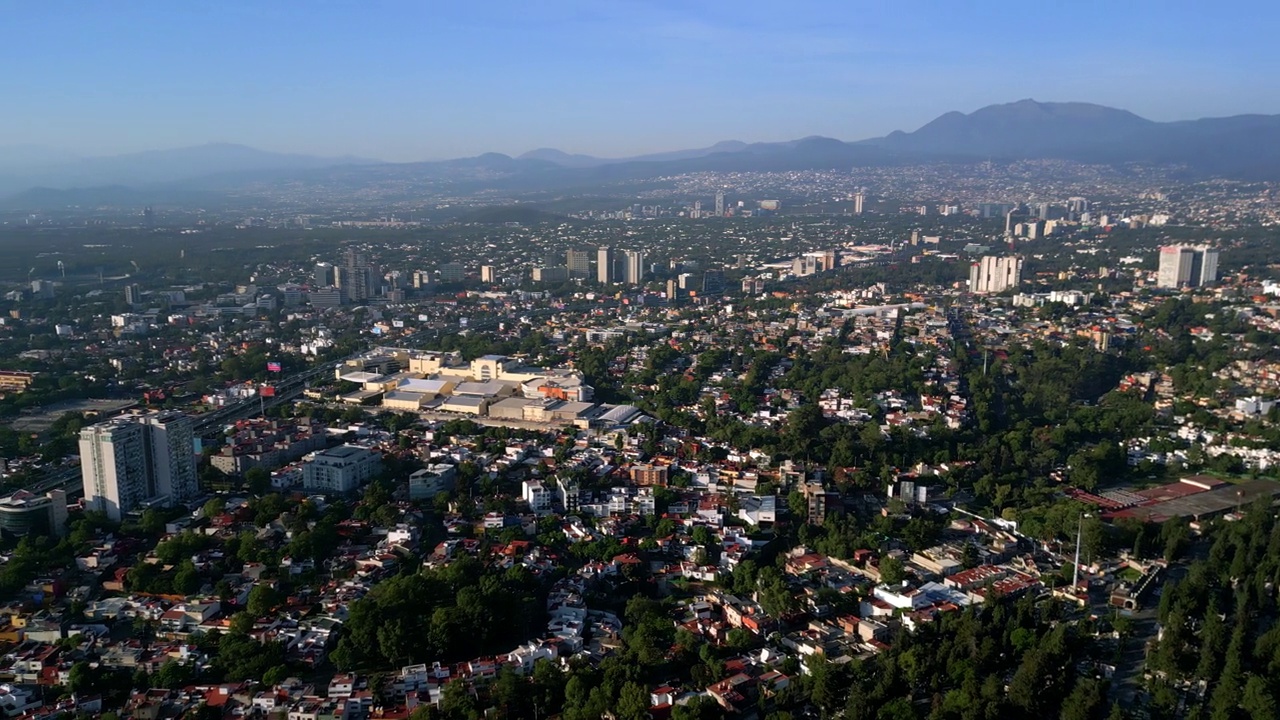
(136, 460)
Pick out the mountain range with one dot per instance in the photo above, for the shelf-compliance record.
(1243, 147)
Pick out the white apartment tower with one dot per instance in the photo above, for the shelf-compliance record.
(720, 204)
(995, 274)
(1186, 266)
(604, 265)
(635, 267)
(134, 460)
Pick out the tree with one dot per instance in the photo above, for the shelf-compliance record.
(1259, 700)
(262, 600)
(258, 480)
(892, 570)
(186, 581)
(633, 702)
(214, 507)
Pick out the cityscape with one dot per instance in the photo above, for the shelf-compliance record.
(979, 418)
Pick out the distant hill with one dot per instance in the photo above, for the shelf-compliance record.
(1243, 147)
(161, 166)
(1022, 129)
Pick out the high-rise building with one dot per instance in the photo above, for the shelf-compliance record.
(42, 289)
(133, 294)
(604, 265)
(579, 263)
(134, 460)
(995, 274)
(488, 273)
(1187, 266)
(635, 267)
(452, 272)
(697, 209)
(358, 277)
(859, 199)
(720, 204)
(553, 274)
(324, 275)
(673, 291)
(713, 282)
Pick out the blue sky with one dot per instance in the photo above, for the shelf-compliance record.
(440, 78)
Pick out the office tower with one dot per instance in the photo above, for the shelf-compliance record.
(719, 204)
(553, 274)
(1043, 211)
(1186, 266)
(359, 275)
(604, 265)
(1035, 229)
(324, 275)
(488, 274)
(133, 294)
(134, 460)
(995, 274)
(673, 291)
(1077, 205)
(635, 267)
(697, 209)
(859, 199)
(452, 272)
(713, 282)
(579, 263)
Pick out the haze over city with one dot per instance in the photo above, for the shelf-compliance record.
(402, 81)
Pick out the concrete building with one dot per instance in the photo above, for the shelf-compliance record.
(15, 380)
(554, 274)
(27, 514)
(995, 274)
(604, 265)
(488, 273)
(135, 460)
(635, 267)
(579, 263)
(340, 470)
(1187, 266)
(324, 275)
(432, 480)
(326, 297)
(539, 496)
(452, 272)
